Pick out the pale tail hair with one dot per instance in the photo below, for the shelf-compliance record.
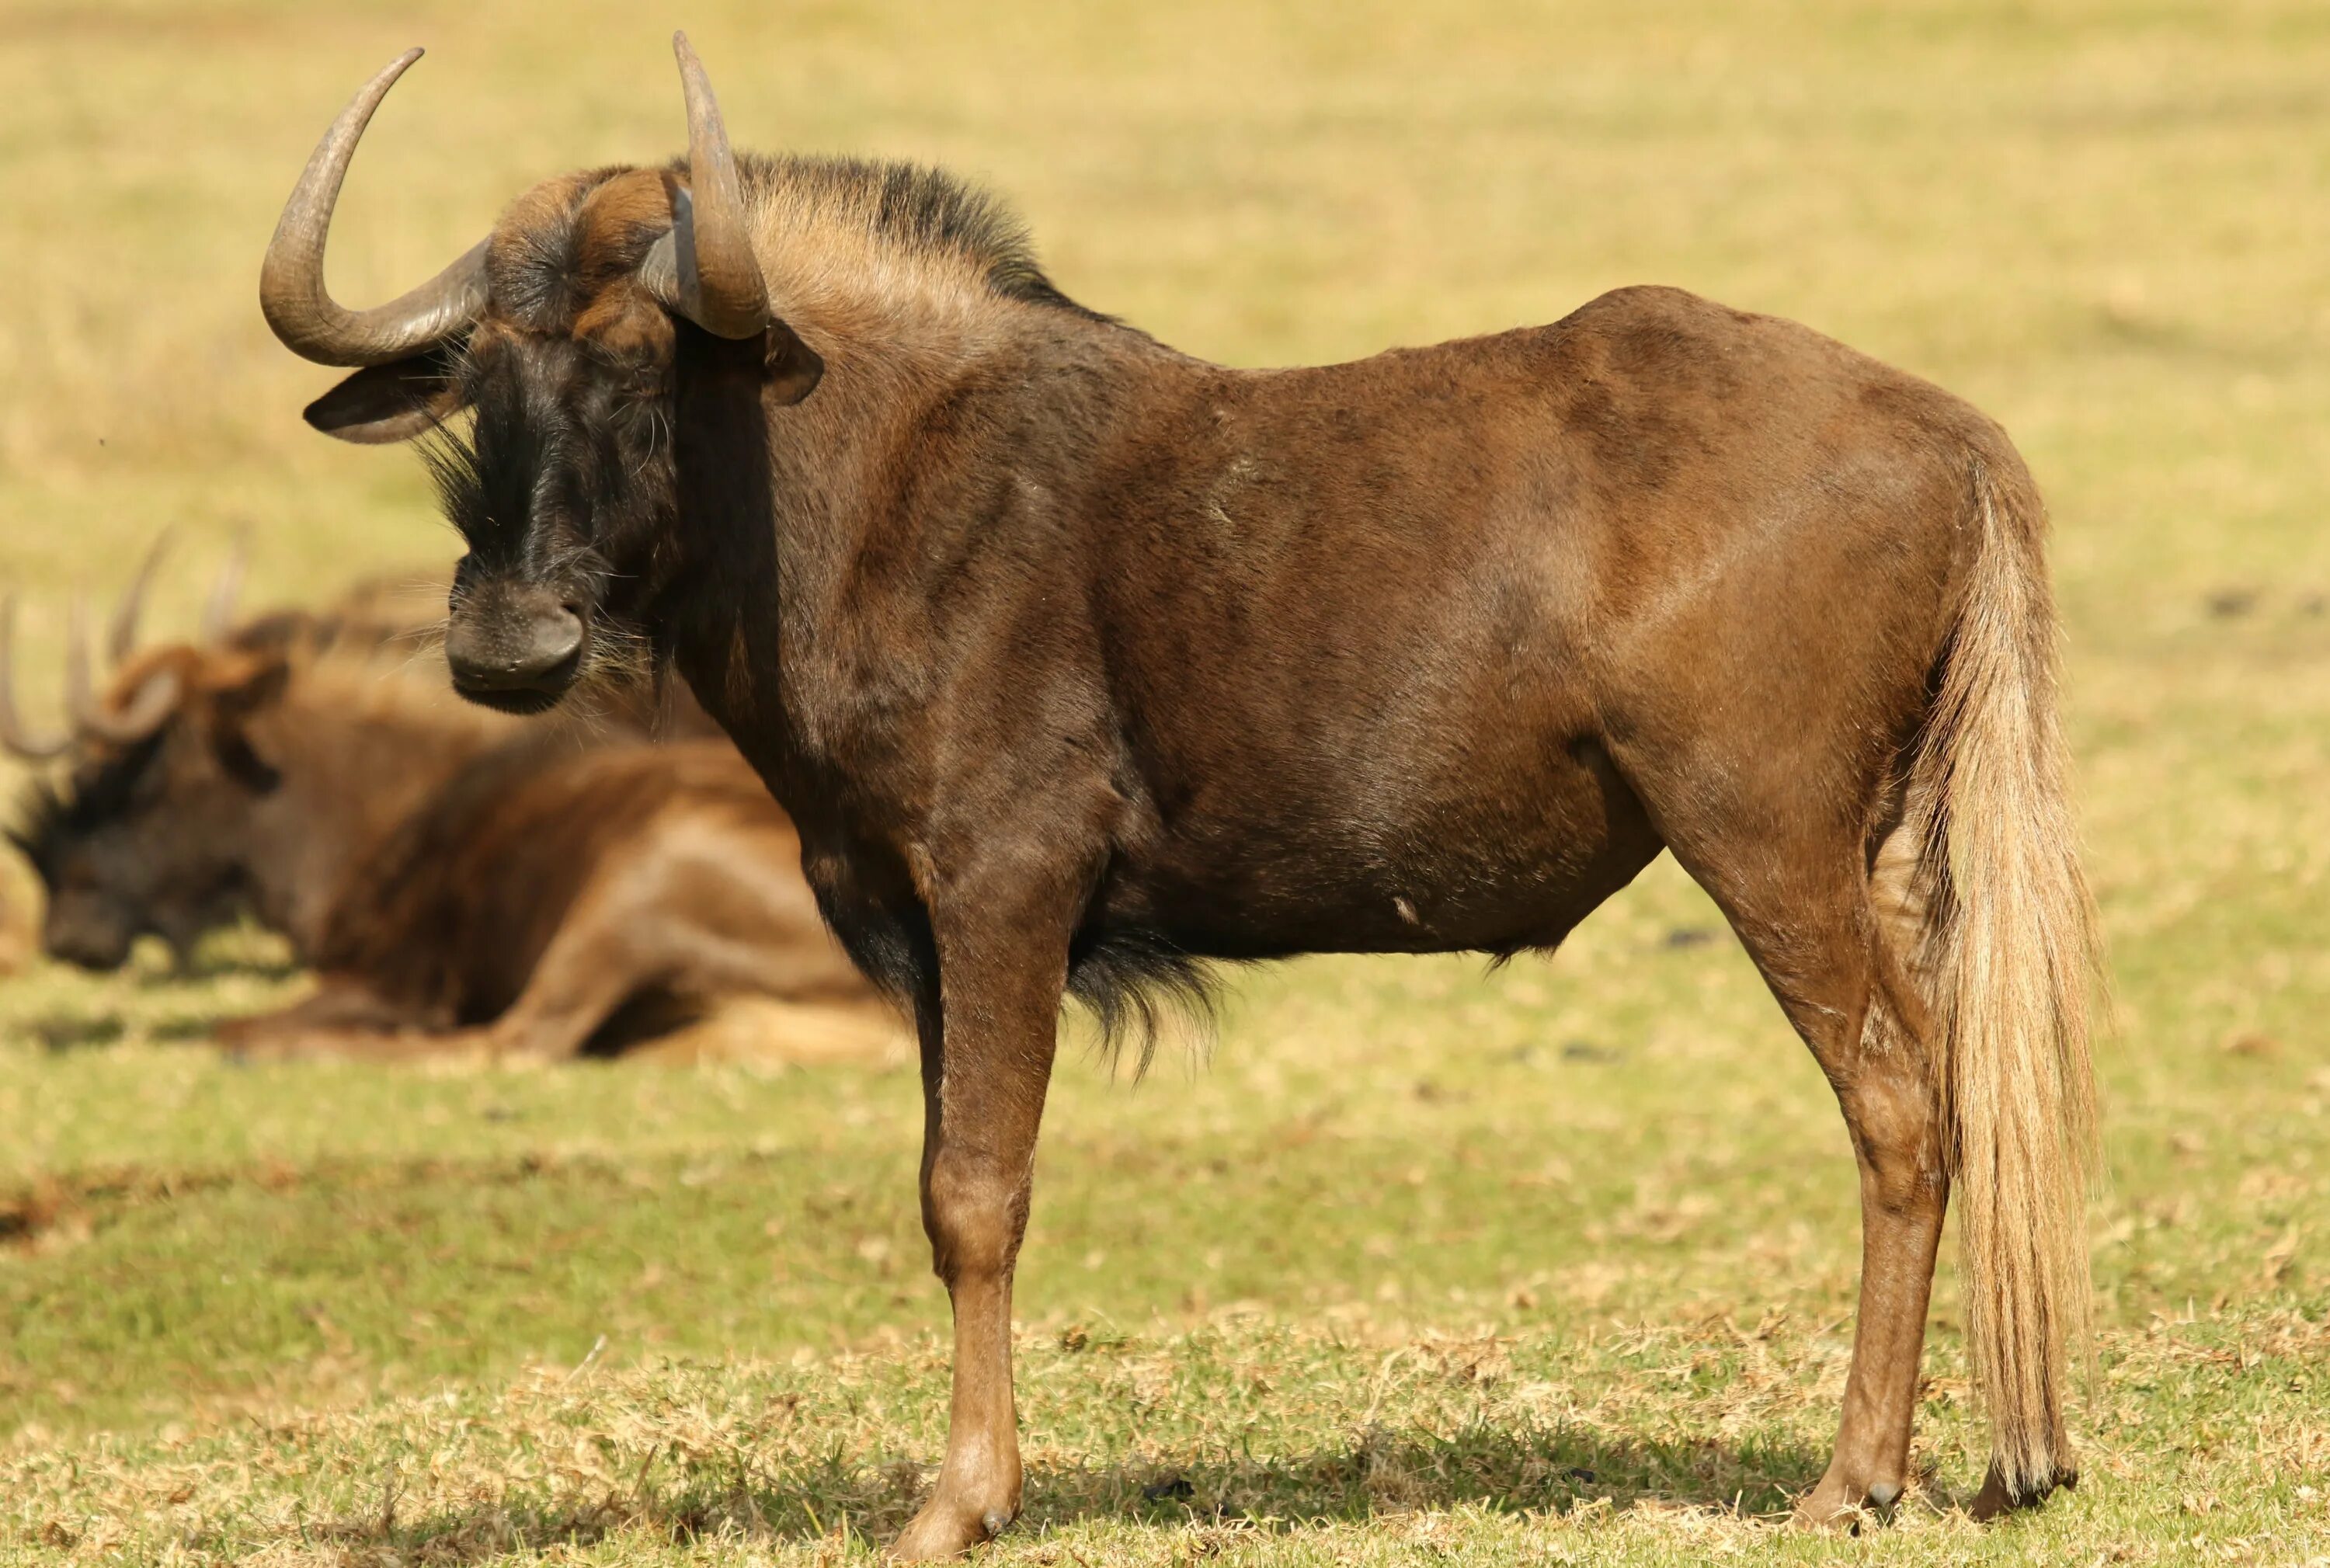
(2007, 957)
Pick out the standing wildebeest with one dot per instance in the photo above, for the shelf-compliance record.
(1080, 661)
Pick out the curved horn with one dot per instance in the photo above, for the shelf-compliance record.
(140, 717)
(13, 735)
(218, 610)
(121, 633)
(291, 290)
(705, 268)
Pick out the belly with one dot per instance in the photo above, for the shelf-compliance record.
(1496, 849)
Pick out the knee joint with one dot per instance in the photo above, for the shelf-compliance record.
(974, 1215)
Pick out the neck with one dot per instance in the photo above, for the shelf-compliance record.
(963, 404)
(806, 529)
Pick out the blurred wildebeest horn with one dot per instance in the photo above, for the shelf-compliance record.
(705, 268)
(121, 634)
(13, 733)
(136, 719)
(291, 289)
(218, 610)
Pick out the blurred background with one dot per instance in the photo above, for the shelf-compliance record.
(2104, 222)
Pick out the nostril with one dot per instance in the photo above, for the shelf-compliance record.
(517, 638)
(552, 648)
(556, 636)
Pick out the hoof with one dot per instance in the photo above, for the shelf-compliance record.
(1997, 1498)
(1837, 1503)
(943, 1532)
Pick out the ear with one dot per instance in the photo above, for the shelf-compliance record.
(240, 684)
(790, 367)
(242, 687)
(391, 402)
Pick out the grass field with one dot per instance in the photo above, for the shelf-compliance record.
(1419, 1263)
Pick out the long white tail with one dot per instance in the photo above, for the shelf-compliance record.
(2008, 957)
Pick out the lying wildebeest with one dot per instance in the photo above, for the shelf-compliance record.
(114, 750)
(1080, 661)
(446, 873)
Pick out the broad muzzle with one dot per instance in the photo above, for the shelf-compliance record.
(516, 648)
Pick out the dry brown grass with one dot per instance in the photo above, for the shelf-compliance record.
(1356, 1443)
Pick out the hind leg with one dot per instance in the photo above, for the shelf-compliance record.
(1895, 1124)
(1804, 915)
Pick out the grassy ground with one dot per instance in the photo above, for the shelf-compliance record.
(1421, 1264)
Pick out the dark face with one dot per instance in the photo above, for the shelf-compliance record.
(560, 489)
(559, 330)
(151, 839)
(564, 485)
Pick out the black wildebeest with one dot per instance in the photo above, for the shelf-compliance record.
(456, 877)
(180, 885)
(1080, 661)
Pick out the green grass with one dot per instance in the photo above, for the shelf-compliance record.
(1420, 1263)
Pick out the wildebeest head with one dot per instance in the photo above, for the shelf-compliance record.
(145, 834)
(563, 331)
(152, 831)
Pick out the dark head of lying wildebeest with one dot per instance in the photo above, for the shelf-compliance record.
(147, 838)
(109, 875)
(217, 801)
(1079, 660)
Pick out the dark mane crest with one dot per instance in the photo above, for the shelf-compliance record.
(921, 210)
(559, 245)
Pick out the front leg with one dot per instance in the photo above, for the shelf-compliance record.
(988, 1038)
(339, 1008)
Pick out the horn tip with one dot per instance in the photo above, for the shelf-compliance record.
(394, 69)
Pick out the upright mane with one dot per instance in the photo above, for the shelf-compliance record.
(912, 211)
(842, 240)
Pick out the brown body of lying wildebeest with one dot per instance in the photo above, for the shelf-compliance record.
(455, 877)
(1079, 661)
